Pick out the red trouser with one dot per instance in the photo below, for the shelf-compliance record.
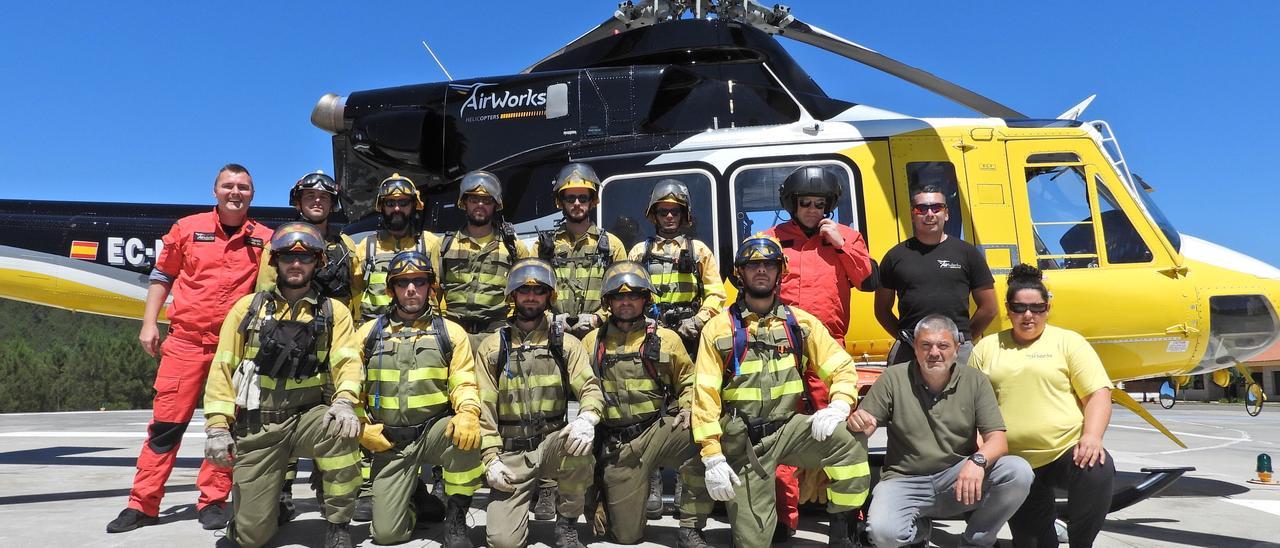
(786, 486)
(184, 366)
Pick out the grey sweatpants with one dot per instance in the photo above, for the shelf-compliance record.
(901, 507)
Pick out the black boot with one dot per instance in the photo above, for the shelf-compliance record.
(364, 509)
(288, 510)
(430, 509)
(567, 533)
(455, 522)
(689, 537)
(337, 536)
(545, 508)
(653, 505)
(839, 535)
(130, 519)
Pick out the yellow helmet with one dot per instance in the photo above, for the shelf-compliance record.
(395, 186)
(406, 263)
(626, 277)
(576, 175)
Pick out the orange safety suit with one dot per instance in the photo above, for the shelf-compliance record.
(207, 272)
(819, 279)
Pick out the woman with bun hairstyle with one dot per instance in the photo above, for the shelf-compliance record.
(1056, 399)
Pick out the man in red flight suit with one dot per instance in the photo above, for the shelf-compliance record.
(825, 260)
(209, 260)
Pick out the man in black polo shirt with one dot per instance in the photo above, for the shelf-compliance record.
(933, 274)
(935, 409)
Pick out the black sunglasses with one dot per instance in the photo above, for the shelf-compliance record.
(920, 209)
(1022, 308)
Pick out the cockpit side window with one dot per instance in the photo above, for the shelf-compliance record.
(1122, 242)
(756, 206)
(625, 198)
(1061, 217)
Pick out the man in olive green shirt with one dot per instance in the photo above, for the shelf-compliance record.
(935, 409)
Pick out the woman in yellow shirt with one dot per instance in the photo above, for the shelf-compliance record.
(1055, 396)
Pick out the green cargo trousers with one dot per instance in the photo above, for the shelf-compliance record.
(508, 513)
(627, 467)
(753, 513)
(263, 453)
(395, 477)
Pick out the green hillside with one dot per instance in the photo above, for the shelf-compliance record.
(55, 360)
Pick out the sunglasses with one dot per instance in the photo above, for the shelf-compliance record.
(402, 204)
(403, 283)
(663, 212)
(304, 258)
(1022, 308)
(575, 198)
(921, 209)
(815, 204)
(482, 200)
(534, 290)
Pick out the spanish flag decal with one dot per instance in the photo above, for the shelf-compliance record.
(84, 250)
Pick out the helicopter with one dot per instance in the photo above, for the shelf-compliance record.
(704, 92)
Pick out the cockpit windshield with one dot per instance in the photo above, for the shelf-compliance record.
(1161, 220)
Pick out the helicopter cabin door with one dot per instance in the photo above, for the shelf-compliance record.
(1111, 279)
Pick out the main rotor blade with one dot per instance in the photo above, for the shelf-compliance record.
(814, 36)
(607, 28)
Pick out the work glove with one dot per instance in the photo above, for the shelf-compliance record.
(499, 476)
(823, 423)
(689, 328)
(464, 428)
(684, 419)
(371, 438)
(580, 434)
(562, 320)
(219, 446)
(585, 323)
(720, 478)
(341, 419)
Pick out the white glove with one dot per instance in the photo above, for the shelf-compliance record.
(499, 476)
(580, 433)
(563, 320)
(823, 423)
(219, 446)
(341, 419)
(720, 478)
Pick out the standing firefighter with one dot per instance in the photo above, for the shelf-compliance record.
(748, 384)
(290, 348)
(477, 258)
(526, 371)
(647, 379)
(316, 197)
(578, 250)
(399, 203)
(422, 402)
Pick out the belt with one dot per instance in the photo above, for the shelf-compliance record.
(404, 435)
(624, 434)
(757, 427)
(529, 443)
(264, 417)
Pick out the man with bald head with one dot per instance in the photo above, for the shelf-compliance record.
(935, 409)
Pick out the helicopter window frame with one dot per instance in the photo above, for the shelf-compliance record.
(1121, 241)
(846, 199)
(1046, 259)
(708, 179)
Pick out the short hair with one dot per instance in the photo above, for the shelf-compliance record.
(926, 189)
(937, 322)
(233, 168)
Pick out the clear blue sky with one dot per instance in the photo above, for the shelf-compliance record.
(141, 102)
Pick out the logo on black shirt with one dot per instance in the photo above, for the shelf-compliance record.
(944, 263)
(204, 237)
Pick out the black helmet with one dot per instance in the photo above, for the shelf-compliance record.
(406, 263)
(760, 247)
(626, 277)
(319, 181)
(809, 181)
(480, 183)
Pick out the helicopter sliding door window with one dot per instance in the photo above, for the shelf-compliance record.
(1061, 214)
(943, 176)
(756, 206)
(624, 199)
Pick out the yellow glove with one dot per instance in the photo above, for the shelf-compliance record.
(371, 438)
(813, 485)
(464, 428)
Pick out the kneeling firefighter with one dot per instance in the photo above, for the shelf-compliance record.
(422, 403)
(295, 385)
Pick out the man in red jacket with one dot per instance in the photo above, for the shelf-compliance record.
(826, 260)
(209, 260)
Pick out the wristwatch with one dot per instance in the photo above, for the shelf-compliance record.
(979, 459)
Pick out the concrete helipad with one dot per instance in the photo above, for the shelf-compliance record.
(63, 476)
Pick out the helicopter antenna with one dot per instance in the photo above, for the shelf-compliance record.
(438, 63)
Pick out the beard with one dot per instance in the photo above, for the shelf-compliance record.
(477, 220)
(284, 282)
(395, 221)
(529, 313)
(759, 293)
